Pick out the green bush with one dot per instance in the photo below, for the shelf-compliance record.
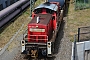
(82, 4)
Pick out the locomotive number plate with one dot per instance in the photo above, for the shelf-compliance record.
(36, 30)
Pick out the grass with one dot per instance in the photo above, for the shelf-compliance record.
(82, 5)
(9, 31)
(76, 19)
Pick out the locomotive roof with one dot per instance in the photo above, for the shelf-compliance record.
(44, 19)
(53, 7)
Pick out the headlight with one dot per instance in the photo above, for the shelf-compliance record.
(23, 43)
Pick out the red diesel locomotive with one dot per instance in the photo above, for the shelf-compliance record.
(42, 30)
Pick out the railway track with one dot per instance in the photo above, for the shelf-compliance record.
(24, 57)
(38, 59)
(48, 58)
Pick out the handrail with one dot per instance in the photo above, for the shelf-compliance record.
(45, 39)
(38, 35)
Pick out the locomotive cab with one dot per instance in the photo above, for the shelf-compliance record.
(52, 8)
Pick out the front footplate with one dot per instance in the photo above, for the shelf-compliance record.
(35, 50)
